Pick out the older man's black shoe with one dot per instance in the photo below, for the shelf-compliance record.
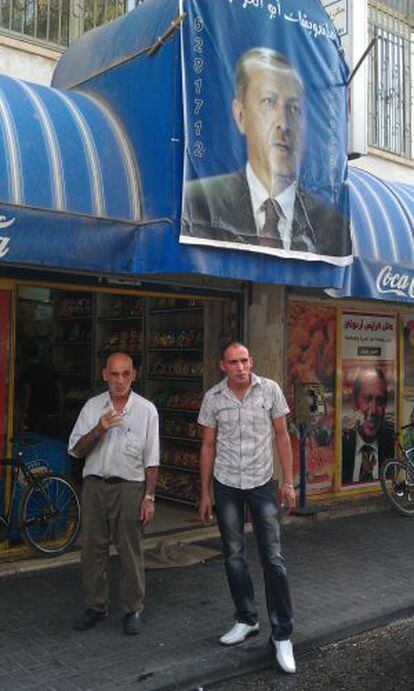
(89, 619)
(132, 623)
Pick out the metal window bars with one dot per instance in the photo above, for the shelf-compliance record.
(391, 84)
(57, 22)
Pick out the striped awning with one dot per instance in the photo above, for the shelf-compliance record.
(65, 152)
(382, 226)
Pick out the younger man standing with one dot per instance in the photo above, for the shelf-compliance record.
(241, 416)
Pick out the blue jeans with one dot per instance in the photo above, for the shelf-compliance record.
(230, 507)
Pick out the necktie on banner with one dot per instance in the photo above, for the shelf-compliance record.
(270, 233)
(368, 460)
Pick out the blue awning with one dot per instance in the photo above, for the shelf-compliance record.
(382, 225)
(107, 149)
(70, 189)
(91, 176)
(65, 152)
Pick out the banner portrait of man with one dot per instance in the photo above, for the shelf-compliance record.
(262, 204)
(370, 442)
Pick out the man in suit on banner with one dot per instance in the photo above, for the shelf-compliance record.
(263, 205)
(366, 446)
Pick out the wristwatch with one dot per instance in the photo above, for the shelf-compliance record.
(149, 497)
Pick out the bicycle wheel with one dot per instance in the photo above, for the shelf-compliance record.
(49, 515)
(398, 486)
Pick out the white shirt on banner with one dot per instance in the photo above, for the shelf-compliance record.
(286, 201)
(360, 443)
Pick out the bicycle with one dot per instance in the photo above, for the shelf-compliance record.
(397, 477)
(48, 514)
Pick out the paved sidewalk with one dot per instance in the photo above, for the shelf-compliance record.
(346, 574)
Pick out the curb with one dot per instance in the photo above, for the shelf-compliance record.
(241, 660)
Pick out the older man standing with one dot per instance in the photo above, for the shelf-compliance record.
(240, 417)
(117, 433)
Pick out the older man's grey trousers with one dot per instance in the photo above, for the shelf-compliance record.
(110, 512)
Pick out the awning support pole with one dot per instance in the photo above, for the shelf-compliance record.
(166, 35)
(361, 60)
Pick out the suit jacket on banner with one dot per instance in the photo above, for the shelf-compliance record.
(385, 450)
(219, 209)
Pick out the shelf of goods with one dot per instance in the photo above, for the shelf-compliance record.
(180, 445)
(176, 485)
(175, 371)
(120, 326)
(73, 339)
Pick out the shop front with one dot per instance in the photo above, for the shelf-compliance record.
(174, 339)
(56, 337)
(104, 249)
(358, 346)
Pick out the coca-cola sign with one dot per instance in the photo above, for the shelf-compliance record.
(395, 282)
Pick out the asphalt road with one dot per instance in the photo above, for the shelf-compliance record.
(380, 659)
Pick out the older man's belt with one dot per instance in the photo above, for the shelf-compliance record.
(113, 480)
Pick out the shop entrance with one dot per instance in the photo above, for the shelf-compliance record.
(65, 334)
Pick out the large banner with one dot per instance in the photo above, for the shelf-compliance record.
(369, 350)
(265, 112)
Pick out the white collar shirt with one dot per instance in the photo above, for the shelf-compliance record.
(124, 451)
(286, 200)
(360, 443)
(244, 439)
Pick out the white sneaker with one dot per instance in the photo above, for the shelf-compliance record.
(284, 656)
(239, 633)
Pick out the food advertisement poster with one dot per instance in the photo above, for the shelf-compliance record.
(312, 358)
(369, 350)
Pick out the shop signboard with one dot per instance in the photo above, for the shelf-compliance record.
(265, 110)
(369, 349)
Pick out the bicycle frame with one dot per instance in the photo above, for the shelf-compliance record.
(43, 506)
(16, 464)
(406, 453)
(397, 475)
